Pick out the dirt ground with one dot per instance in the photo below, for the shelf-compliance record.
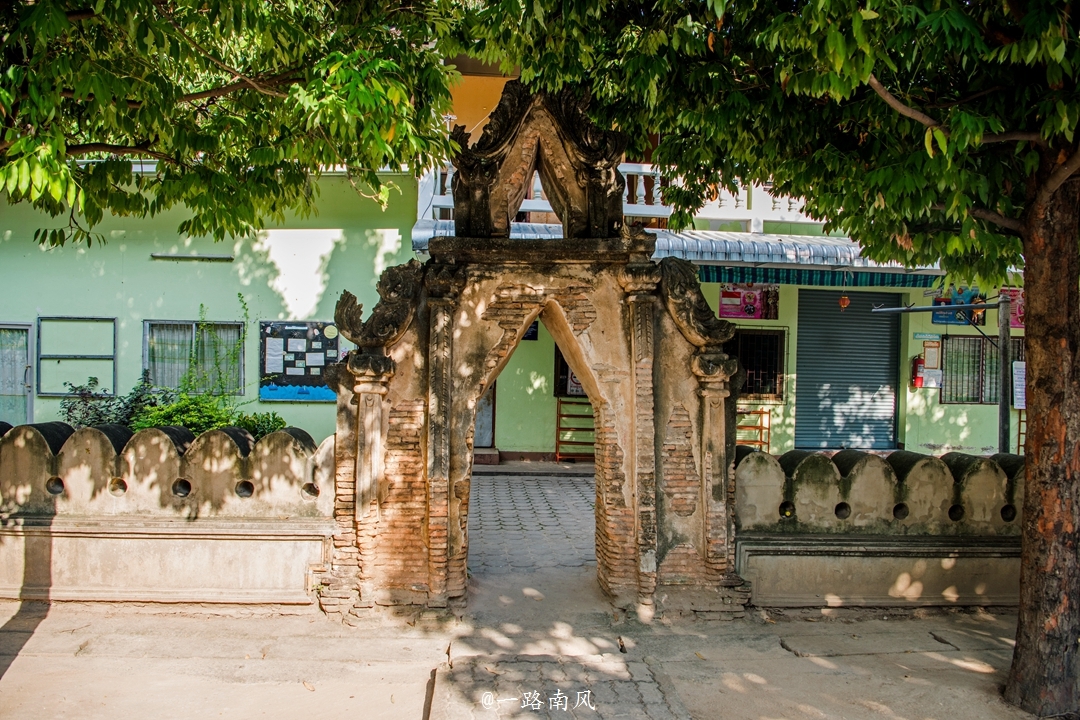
(547, 632)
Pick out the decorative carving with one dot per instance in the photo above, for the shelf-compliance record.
(692, 314)
(444, 280)
(399, 293)
(637, 278)
(578, 165)
(713, 366)
(369, 366)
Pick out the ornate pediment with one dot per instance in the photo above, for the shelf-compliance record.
(550, 133)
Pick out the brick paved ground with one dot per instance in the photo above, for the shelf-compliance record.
(525, 523)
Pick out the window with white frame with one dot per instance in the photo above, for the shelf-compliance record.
(970, 372)
(195, 355)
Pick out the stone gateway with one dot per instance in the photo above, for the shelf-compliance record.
(639, 335)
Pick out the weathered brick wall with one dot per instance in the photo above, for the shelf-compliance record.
(392, 546)
(616, 561)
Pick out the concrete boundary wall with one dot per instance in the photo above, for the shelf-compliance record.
(856, 528)
(102, 514)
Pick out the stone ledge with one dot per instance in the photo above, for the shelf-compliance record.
(491, 251)
(137, 527)
(845, 571)
(751, 544)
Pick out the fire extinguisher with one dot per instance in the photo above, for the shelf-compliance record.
(918, 364)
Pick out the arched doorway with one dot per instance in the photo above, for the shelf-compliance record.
(639, 336)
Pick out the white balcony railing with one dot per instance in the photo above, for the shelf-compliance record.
(750, 206)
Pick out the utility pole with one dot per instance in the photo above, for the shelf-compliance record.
(1005, 374)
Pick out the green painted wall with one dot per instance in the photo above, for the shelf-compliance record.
(525, 404)
(293, 272)
(933, 427)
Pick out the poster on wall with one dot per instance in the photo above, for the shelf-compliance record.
(1019, 378)
(958, 296)
(293, 355)
(749, 302)
(1016, 306)
(573, 386)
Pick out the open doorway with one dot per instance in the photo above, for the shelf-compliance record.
(535, 515)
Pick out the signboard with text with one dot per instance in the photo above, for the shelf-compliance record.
(292, 357)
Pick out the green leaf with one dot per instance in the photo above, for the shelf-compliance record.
(868, 14)
(928, 141)
(939, 135)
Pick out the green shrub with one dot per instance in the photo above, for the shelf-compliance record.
(260, 424)
(198, 413)
(88, 405)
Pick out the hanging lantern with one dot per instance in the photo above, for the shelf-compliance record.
(844, 302)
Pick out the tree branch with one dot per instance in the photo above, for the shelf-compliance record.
(77, 15)
(285, 78)
(232, 71)
(996, 218)
(141, 151)
(1057, 179)
(905, 110)
(924, 119)
(1016, 136)
(70, 95)
(990, 216)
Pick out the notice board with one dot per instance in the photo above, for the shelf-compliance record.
(292, 358)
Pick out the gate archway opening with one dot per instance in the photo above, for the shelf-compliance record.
(638, 335)
(542, 517)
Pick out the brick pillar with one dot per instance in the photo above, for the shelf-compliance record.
(639, 281)
(337, 585)
(438, 447)
(371, 374)
(713, 368)
(444, 282)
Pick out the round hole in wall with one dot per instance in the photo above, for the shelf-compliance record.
(787, 509)
(1008, 513)
(956, 513)
(181, 488)
(310, 491)
(117, 486)
(54, 486)
(843, 511)
(245, 489)
(900, 511)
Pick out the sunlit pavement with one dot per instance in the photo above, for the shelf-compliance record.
(533, 641)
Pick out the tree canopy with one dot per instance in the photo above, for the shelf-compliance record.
(230, 107)
(930, 131)
(914, 127)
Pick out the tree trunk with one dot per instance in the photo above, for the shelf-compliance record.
(1045, 674)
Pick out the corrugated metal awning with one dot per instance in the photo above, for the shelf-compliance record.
(714, 247)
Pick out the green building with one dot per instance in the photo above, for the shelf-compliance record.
(819, 375)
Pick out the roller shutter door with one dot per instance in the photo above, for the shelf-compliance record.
(847, 366)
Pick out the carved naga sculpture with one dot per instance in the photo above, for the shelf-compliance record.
(399, 293)
(578, 165)
(681, 291)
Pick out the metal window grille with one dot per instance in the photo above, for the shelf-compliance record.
(970, 369)
(209, 355)
(761, 352)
